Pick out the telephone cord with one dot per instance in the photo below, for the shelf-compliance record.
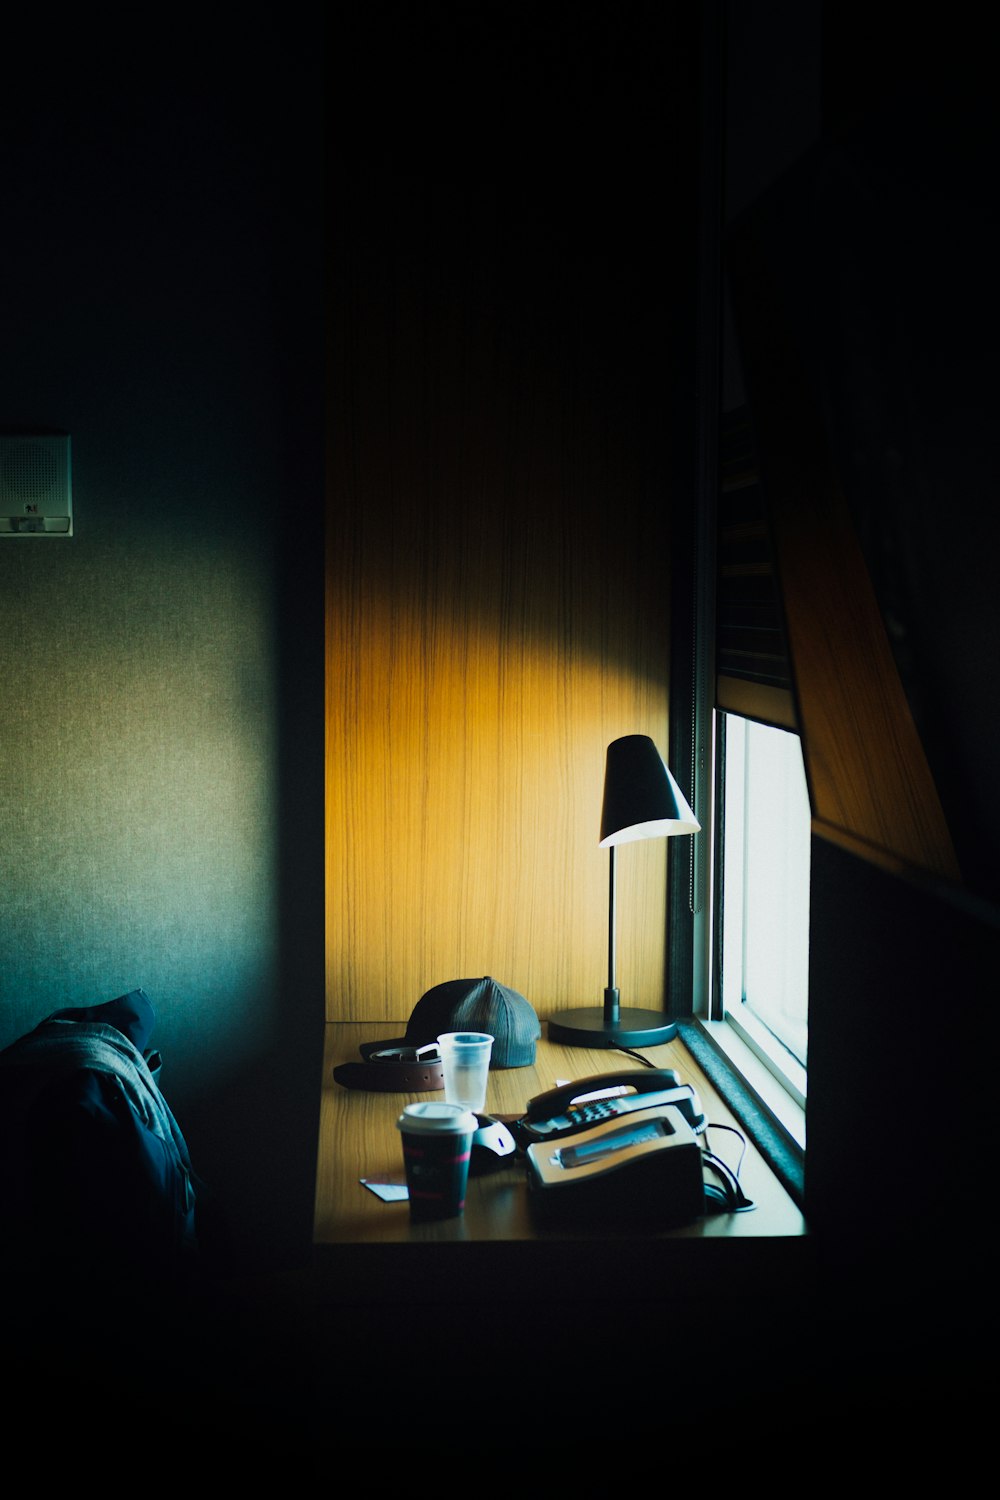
(730, 1197)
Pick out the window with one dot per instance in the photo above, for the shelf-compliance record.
(762, 923)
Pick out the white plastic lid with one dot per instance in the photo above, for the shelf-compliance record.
(432, 1118)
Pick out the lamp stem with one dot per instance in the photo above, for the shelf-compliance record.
(611, 994)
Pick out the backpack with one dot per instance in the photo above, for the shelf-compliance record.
(94, 1170)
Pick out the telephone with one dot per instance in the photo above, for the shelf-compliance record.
(578, 1105)
(593, 1153)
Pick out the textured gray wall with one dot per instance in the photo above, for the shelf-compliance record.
(161, 690)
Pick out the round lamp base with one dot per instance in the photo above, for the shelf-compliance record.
(588, 1028)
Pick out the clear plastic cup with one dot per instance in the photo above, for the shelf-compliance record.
(465, 1060)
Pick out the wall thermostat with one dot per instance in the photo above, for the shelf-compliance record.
(36, 489)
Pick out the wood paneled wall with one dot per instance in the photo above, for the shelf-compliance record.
(496, 612)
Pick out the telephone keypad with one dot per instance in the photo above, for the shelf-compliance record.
(579, 1115)
(593, 1113)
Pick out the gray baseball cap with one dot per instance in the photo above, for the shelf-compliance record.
(478, 1005)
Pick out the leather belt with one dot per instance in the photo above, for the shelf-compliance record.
(393, 1068)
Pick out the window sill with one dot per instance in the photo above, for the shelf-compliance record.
(772, 1118)
(787, 1111)
(756, 1040)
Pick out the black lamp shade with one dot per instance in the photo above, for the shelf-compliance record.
(641, 798)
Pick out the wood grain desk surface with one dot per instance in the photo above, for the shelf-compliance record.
(359, 1139)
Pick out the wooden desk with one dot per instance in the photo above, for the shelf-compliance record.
(372, 1250)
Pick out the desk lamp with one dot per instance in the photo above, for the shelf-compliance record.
(641, 801)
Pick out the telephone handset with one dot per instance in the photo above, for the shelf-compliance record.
(573, 1106)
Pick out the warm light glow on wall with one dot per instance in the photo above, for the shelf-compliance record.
(464, 781)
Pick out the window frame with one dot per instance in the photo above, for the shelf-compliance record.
(754, 1030)
(742, 1048)
(773, 1118)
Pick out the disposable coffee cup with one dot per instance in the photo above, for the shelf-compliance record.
(437, 1144)
(465, 1062)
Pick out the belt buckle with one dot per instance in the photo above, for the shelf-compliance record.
(427, 1053)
